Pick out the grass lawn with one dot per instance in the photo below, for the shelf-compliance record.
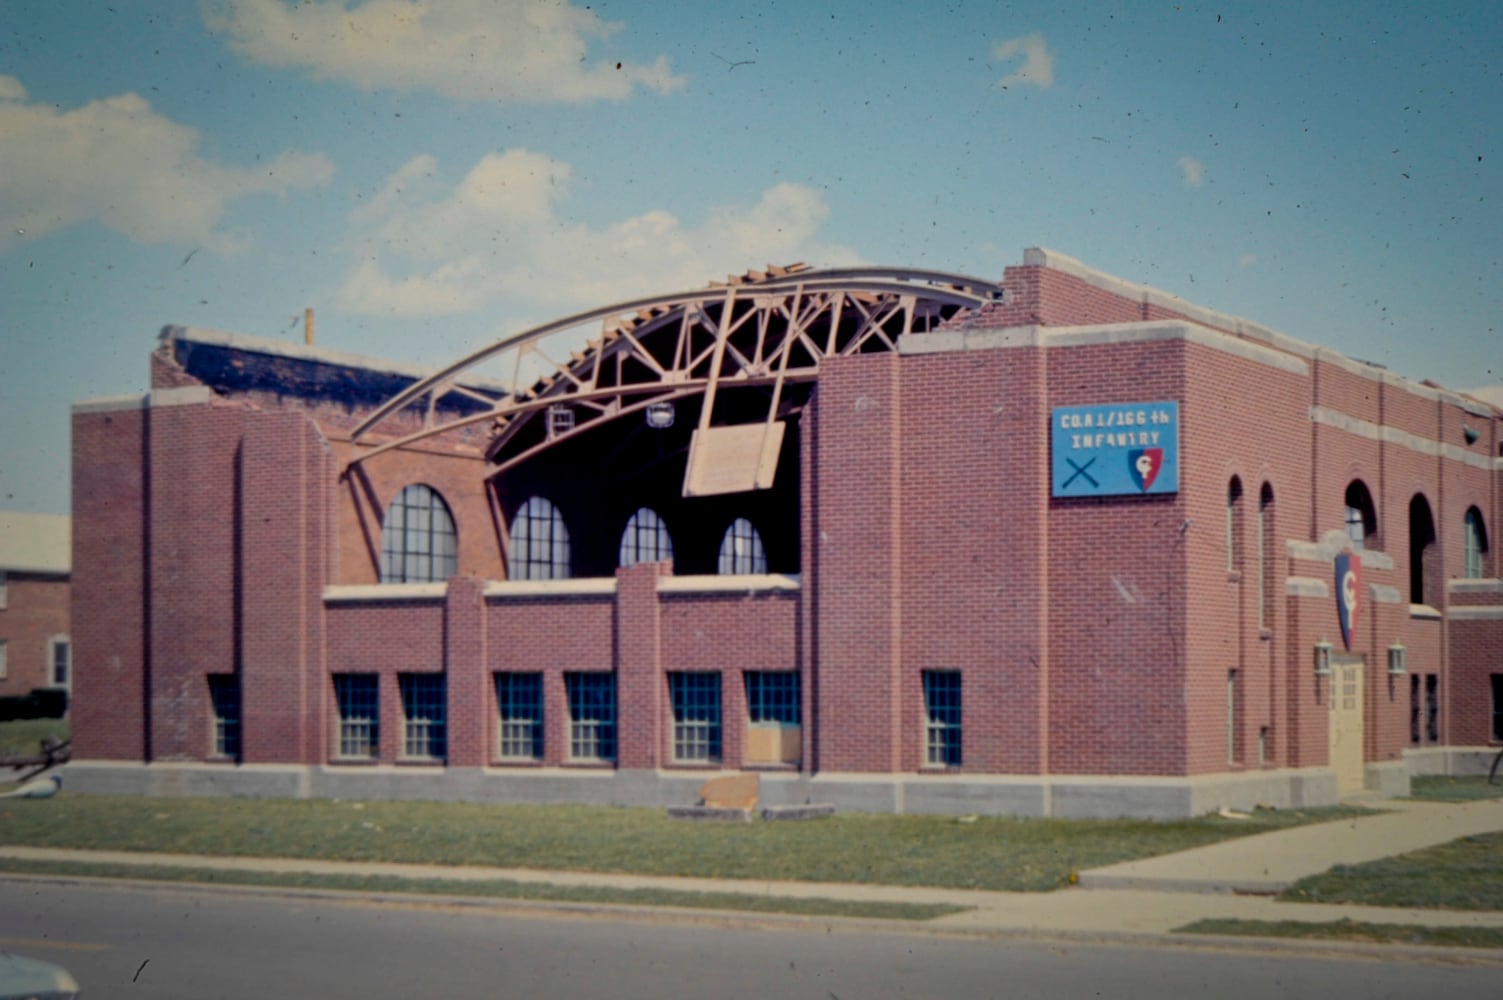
(1444, 788)
(1465, 874)
(987, 853)
(24, 736)
(1353, 930)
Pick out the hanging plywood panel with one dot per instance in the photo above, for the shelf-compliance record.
(733, 459)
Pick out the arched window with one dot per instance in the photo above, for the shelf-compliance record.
(741, 549)
(1422, 550)
(1233, 525)
(539, 542)
(1265, 555)
(1361, 515)
(418, 543)
(645, 539)
(1473, 544)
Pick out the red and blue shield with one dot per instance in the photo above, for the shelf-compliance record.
(1348, 594)
(1143, 464)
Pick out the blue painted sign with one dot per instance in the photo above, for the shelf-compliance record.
(1348, 595)
(1115, 449)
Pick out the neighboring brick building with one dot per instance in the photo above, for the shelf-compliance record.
(1061, 545)
(35, 651)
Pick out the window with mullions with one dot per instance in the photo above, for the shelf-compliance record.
(59, 661)
(741, 549)
(539, 542)
(592, 716)
(645, 539)
(358, 703)
(418, 543)
(942, 718)
(696, 717)
(224, 701)
(519, 703)
(1361, 515)
(424, 733)
(1473, 545)
(772, 697)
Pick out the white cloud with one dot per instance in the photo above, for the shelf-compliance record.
(429, 249)
(1247, 260)
(1038, 62)
(119, 162)
(1194, 171)
(495, 50)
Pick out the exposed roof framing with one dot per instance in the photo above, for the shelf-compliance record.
(765, 328)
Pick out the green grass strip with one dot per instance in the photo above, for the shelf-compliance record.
(1353, 930)
(494, 889)
(1464, 874)
(948, 852)
(1461, 788)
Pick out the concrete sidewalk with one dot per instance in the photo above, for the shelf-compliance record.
(1270, 862)
(1150, 897)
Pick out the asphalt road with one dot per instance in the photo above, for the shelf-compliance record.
(197, 945)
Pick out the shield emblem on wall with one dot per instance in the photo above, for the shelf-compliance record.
(1348, 595)
(1144, 465)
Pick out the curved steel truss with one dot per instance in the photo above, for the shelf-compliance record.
(764, 329)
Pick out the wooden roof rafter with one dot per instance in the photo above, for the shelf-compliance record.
(765, 328)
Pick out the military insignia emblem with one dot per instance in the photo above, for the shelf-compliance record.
(1143, 464)
(1348, 594)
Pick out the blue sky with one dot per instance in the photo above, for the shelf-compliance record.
(431, 176)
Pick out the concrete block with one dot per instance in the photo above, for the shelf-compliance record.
(709, 813)
(814, 811)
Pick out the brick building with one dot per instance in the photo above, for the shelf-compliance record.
(35, 651)
(897, 540)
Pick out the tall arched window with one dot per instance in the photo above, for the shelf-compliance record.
(1233, 525)
(741, 549)
(1361, 515)
(1265, 556)
(645, 539)
(418, 543)
(539, 542)
(1473, 544)
(1423, 554)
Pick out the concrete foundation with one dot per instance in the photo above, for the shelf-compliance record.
(1071, 797)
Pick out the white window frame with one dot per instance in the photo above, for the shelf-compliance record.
(697, 731)
(355, 727)
(425, 716)
(592, 699)
(53, 642)
(519, 715)
(944, 719)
